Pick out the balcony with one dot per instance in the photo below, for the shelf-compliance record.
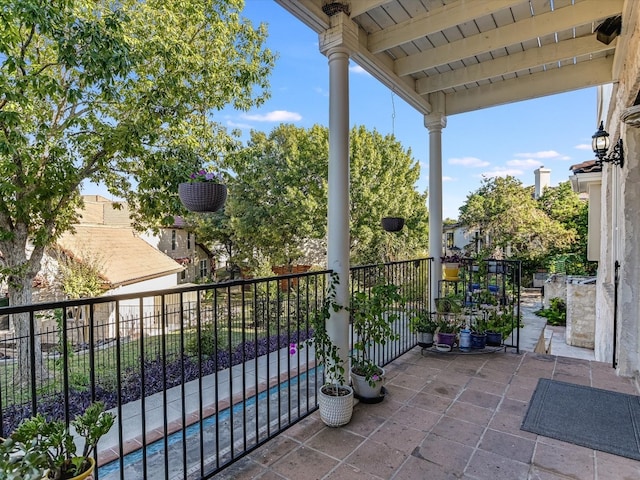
(219, 394)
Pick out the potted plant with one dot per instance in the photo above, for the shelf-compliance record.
(42, 449)
(372, 317)
(335, 397)
(424, 325)
(446, 332)
(451, 266)
(204, 192)
(478, 334)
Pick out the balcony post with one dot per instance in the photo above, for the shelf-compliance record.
(435, 122)
(335, 43)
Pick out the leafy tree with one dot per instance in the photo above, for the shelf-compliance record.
(278, 195)
(116, 92)
(506, 211)
(80, 278)
(383, 178)
(564, 205)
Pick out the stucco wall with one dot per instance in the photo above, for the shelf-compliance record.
(620, 207)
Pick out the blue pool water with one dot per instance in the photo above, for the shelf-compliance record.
(194, 429)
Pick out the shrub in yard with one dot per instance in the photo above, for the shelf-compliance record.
(556, 314)
(209, 342)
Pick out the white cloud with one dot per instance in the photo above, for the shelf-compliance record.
(526, 163)
(275, 116)
(468, 162)
(320, 91)
(502, 172)
(448, 179)
(358, 69)
(542, 154)
(232, 124)
(583, 146)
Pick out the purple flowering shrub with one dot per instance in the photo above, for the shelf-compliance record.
(158, 376)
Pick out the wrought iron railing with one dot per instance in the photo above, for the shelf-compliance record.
(198, 376)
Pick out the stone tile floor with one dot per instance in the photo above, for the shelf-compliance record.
(446, 416)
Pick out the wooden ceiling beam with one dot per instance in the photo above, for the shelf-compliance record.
(516, 62)
(531, 28)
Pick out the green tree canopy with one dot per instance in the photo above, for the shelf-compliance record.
(564, 205)
(120, 92)
(506, 211)
(278, 195)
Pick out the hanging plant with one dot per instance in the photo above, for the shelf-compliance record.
(331, 8)
(204, 192)
(392, 224)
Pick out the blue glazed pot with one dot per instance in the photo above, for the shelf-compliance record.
(478, 340)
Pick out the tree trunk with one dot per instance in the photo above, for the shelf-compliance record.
(20, 284)
(22, 326)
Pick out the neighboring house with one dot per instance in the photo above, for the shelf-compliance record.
(458, 239)
(124, 261)
(180, 244)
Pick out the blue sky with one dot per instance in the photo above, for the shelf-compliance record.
(513, 139)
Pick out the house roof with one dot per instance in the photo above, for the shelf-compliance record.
(464, 55)
(122, 257)
(586, 167)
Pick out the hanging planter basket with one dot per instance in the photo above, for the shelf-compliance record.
(392, 224)
(331, 8)
(202, 196)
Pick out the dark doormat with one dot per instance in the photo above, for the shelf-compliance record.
(587, 416)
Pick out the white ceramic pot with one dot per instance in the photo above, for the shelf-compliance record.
(362, 388)
(335, 410)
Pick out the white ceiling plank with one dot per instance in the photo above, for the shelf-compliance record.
(358, 7)
(381, 67)
(559, 80)
(513, 63)
(545, 24)
(435, 21)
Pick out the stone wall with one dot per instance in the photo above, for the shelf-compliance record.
(581, 313)
(554, 287)
(579, 294)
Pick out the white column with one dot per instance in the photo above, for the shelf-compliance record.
(435, 122)
(338, 188)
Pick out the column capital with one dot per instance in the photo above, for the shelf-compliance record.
(435, 121)
(342, 35)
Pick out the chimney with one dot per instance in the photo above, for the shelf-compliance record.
(543, 180)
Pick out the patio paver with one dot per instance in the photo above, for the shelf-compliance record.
(460, 418)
